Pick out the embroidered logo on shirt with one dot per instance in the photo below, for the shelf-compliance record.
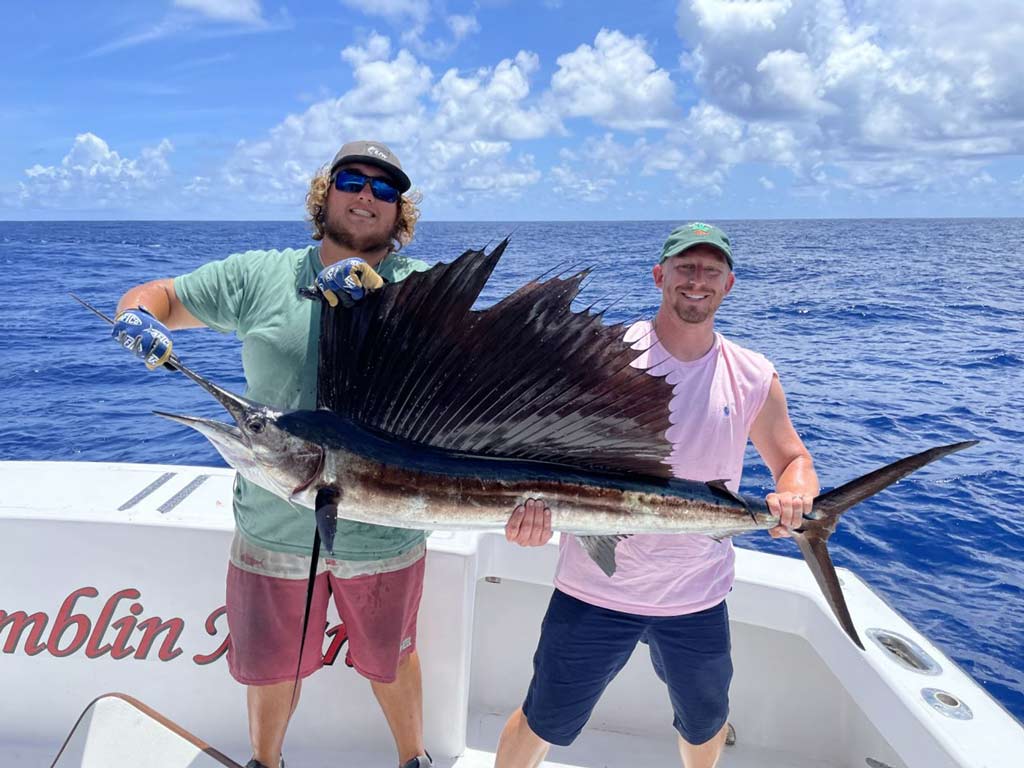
(725, 411)
(251, 561)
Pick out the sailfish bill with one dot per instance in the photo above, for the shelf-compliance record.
(435, 415)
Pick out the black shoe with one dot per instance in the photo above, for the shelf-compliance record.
(254, 763)
(420, 761)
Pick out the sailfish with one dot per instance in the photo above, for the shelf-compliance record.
(435, 415)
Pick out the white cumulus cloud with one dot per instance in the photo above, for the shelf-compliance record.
(459, 127)
(885, 94)
(615, 82)
(488, 103)
(92, 175)
(791, 84)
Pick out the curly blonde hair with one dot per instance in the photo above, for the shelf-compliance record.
(316, 210)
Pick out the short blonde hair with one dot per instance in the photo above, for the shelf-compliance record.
(316, 210)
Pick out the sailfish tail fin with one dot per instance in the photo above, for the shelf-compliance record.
(813, 536)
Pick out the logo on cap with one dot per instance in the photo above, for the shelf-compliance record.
(700, 228)
(377, 152)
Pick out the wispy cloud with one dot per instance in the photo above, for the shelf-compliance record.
(411, 19)
(204, 19)
(166, 28)
(462, 26)
(240, 11)
(201, 63)
(131, 87)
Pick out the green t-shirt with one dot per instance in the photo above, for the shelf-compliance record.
(255, 295)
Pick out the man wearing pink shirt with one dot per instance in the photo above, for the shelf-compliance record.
(669, 589)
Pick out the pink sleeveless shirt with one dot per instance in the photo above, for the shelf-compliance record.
(714, 404)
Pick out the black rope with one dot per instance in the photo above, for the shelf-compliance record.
(324, 497)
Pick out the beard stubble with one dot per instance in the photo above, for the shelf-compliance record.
(339, 234)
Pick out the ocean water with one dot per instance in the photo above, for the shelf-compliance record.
(890, 336)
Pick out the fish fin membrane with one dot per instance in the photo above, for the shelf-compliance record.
(720, 489)
(829, 506)
(526, 378)
(813, 535)
(327, 521)
(602, 550)
(814, 548)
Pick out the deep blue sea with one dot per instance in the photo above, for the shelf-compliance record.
(890, 336)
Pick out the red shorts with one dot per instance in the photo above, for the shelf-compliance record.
(378, 606)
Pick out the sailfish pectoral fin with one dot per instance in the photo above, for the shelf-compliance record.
(602, 550)
(327, 516)
(814, 547)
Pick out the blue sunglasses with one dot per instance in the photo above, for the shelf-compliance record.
(351, 181)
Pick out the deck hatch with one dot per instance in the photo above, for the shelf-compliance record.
(905, 652)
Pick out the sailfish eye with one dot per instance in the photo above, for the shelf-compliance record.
(255, 425)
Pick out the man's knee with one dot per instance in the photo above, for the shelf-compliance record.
(519, 745)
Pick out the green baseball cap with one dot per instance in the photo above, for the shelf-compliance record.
(696, 233)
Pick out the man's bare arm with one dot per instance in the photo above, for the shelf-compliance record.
(160, 300)
(791, 465)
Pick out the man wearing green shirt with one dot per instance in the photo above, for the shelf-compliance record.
(361, 216)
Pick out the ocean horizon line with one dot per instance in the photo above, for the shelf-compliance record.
(524, 221)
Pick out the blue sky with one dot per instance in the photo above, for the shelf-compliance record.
(517, 110)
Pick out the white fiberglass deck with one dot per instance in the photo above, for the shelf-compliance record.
(112, 579)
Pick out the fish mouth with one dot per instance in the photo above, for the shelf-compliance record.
(236, 448)
(209, 428)
(227, 439)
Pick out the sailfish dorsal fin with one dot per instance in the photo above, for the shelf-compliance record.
(526, 378)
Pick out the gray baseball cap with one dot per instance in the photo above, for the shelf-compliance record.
(373, 153)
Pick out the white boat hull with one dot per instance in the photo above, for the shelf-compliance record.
(131, 589)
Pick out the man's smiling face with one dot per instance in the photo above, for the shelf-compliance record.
(694, 283)
(358, 220)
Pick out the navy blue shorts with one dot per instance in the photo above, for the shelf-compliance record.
(582, 647)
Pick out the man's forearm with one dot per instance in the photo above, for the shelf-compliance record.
(799, 477)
